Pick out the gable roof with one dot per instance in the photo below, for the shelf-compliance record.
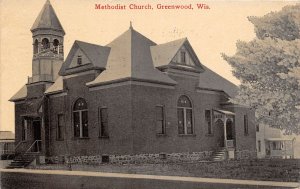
(21, 94)
(130, 58)
(47, 19)
(163, 54)
(96, 54)
(211, 80)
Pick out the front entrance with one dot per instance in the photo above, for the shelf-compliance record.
(224, 121)
(36, 125)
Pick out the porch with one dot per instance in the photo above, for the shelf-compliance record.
(225, 120)
(280, 148)
(224, 124)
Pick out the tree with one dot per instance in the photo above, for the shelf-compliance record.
(269, 69)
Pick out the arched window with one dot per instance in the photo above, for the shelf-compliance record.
(185, 115)
(45, 43)
(35, 47)
(80, 118)
(55, 46)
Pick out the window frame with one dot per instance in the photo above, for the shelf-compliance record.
(210, 123)
(100, 122)
(183, 57)
(185, 130)
(80, 113)
(259, 146)
(61, 130)
(246, 125)
(257, 128)
(79, 60)
(24, 133)
(163, 120)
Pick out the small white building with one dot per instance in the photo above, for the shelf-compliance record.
(272, 143)
(7, 142)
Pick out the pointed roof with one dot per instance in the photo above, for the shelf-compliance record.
(130, 58)
(47, 19)
(164, 53)
(96, 54)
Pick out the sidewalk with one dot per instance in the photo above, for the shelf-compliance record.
(155, 177)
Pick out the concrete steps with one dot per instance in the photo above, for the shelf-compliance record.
(22, 160)
(219, 155)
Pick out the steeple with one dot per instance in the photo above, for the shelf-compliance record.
(48, 39)
(47, 19)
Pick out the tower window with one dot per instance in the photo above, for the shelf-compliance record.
(55, 46)
(45, 43)
(35, 46)
(79, 60)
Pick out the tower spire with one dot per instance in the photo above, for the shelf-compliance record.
(48, 45)
(130, 27)
(47, 19)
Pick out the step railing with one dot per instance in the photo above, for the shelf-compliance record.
(18, 145)
(36, 146)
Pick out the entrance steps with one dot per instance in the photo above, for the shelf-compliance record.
(219, 155)
(22, 160)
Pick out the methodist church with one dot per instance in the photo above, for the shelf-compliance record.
(130, 98)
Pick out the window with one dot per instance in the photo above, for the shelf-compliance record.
(60, 127)
(257, 127)
(185, 115)
(103, 118)
(45, 43)
(79, 60)
(24, 129)
(160, 120)
(182, 57)
(259, 146)
(80, 118)
(208, 121)
(35, 47)
(246, 125)
(55, 46)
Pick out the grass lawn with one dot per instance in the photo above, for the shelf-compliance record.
(265, 170)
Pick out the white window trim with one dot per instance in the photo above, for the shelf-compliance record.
(80, 122)
(185, 120)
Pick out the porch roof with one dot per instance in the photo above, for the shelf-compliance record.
(280, 139)
(226, 112)
(32, 107)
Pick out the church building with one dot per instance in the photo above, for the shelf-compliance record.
(126, 98)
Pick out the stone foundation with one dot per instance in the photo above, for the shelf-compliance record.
(245, 154)
(146, 158)
(133, 159)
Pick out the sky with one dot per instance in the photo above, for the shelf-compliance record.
(211, 32)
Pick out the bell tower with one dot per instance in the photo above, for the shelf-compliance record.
(48, 46)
